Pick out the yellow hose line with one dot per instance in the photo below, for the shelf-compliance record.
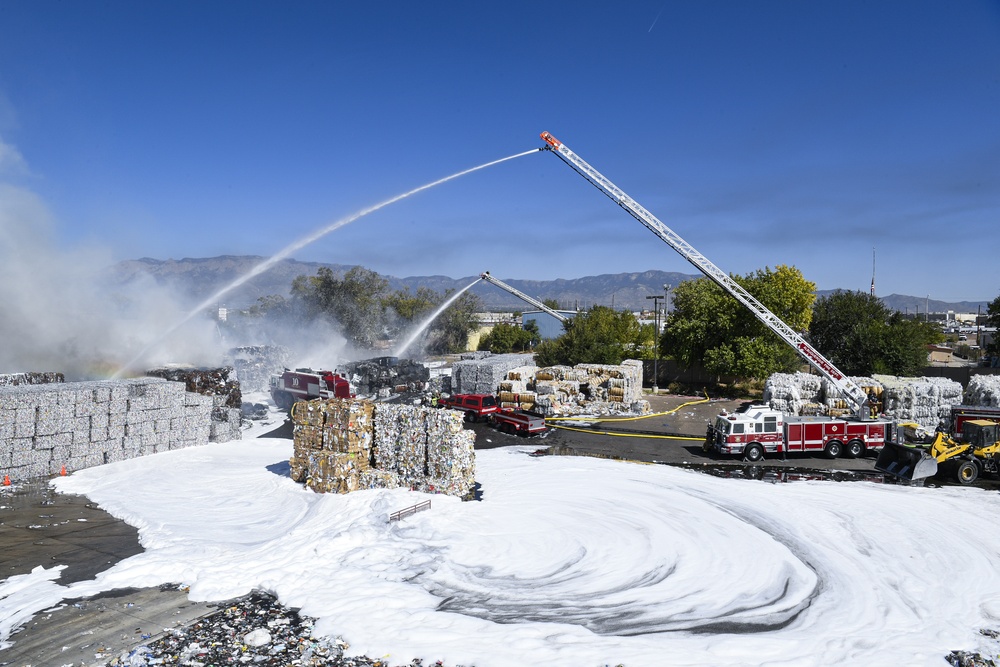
(628, 435)
(631, 419)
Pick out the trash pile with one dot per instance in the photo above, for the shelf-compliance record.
(255, 364)
(372, 376)
(255, 629)
(343, 445)
(17, 379)
(983, 390)
(48, 428)
(925, 400)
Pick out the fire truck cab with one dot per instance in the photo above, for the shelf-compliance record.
(306, 384)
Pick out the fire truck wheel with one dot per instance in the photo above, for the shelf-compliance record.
(967, 473)
(753, 453)
(834, 449)
(855, 448)
(283, 400)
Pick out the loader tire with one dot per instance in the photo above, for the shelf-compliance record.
(967, 472)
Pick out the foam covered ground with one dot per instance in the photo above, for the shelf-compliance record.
(565, 561)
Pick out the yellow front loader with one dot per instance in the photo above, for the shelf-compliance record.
(977, 452)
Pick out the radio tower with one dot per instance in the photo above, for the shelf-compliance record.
(873, 271)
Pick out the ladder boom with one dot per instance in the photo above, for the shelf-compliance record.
(852, 391)
(521, 295)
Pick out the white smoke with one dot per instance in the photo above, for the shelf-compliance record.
(55, 315)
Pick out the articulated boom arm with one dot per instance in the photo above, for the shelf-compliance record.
(853, 392)
(521, 295)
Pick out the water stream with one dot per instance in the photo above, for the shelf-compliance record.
(426, 323)
(298, 245)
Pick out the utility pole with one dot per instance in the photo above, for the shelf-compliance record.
(656, 333)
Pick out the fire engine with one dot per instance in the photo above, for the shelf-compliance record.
(755, 429)
(758, 429)
(306, 384)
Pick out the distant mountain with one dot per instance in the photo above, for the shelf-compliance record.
(200, 278)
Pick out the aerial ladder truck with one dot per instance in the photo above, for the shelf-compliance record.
(521, 295)
(742, 433)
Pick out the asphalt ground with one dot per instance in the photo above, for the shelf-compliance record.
(41, 527)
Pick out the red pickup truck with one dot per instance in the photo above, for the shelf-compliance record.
(518, 422)
(475, 406)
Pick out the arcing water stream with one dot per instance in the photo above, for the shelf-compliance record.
(298, 245)
(426, 323)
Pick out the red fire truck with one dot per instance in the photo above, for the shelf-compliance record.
(756, 429)
(306, 384)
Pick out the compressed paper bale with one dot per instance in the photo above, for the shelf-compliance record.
(983, 390)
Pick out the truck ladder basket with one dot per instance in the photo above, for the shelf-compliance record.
(409, 511)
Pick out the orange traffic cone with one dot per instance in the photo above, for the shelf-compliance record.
(6, 480)
(63, 471)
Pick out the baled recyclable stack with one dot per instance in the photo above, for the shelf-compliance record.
(484, 375)
(344, 445)
(837, 404)
(17, 379)
(983, 390)
(925, 400)
(791, 393)
(590, 388)
(45, 428)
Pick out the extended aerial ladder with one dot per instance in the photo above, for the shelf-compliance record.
(521, 295)
(844, 384)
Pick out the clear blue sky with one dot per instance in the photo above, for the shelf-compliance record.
(764, 133)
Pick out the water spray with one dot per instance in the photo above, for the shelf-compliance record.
(426, 323)
(298, 245)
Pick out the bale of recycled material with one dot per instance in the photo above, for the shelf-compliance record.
(925, 400)
(983, 390)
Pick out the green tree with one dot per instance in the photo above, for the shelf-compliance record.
(993, 320)
(504, 338)
(449, 332)
(598, 336)
(861, 336)
(551, 303)
(353, 302)
(405, 310)
(707, 326)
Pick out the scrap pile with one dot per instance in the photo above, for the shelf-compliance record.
(387, 373)
(17, 379)
(925, 400)
(255, 364)
(342, 445)
(983, 390)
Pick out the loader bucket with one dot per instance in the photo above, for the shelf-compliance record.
(906, 462)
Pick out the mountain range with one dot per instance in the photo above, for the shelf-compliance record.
(200, 278)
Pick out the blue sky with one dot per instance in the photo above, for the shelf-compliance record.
(764, 133)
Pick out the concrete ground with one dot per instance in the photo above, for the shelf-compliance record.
(40, 527)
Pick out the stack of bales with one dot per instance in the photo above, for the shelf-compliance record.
(517, 391)
(925, 400)
(483, 375)
(218, 383)
(76, 425)
(602, 388)
(343, 445)
(838, 406)
(794, 393)
(983, 390)
(17, 379)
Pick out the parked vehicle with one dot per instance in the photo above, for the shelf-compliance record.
(476, 407)
(306, 384)
(755, 430)
(519, 422)
(963, 460)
